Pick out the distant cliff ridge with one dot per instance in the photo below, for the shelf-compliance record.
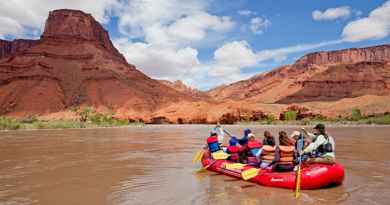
(320, 76)
(352, 55)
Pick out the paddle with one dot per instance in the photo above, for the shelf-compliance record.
(220, 155)
(198, 156)
(234, 166)
(249, 173)
(298, 175)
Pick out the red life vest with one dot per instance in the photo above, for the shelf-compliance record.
(213, 144)
(252, 144)
(233, 151)
(212, 139)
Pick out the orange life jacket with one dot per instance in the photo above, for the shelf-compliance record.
(268, 154)
(286, 154)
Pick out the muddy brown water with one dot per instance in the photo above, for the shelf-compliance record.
(152, 165)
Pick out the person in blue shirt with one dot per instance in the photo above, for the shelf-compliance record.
(244, 140)
(244, 145)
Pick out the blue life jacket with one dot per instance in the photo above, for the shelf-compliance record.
(213, 144)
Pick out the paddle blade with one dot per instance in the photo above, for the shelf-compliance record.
(198, 156)
(234, 166)
(250, 173)
(220, 155)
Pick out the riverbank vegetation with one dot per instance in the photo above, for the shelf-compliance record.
(89, 118)
(292, 117)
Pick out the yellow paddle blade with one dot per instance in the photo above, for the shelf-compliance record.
(220, 155)
(298, 183)
(202, 169)
(198, 156)
(250, 173)
(234, 166)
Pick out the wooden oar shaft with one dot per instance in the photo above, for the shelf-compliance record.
(298, 183)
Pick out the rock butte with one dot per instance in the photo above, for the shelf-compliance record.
(74, 63)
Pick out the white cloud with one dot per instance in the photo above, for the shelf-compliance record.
(232, 58)
(235, 54)
(229, 60)
(9, 26)
(246, 12)
(375, 26)
(32, 14)
(279, 53)
(332, 13)
(258, 25)
(170, 22)
(195, 27)
(169, 30)
(137, 15)
(160, 61)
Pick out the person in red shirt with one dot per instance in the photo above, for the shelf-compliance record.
(233, 149)
(254, 149)
(212, 142)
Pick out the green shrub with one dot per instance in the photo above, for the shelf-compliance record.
(356, 114)
(9, 123)
(29, 119)
(270, 119)
(290, 115)
(60, 124)
(85, 113)
(382, 120)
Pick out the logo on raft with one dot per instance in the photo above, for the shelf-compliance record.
(277, 180)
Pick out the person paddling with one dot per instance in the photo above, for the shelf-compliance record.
(322, 147)
(244, 145)
(233, 149)
(254, 150)
(244, 140)
(212, 142)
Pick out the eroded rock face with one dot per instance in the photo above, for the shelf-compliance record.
(183, 88)
(322, 76)
(74, 64)
(8, 48)
(343, 81)
(77, 25)
(347, 56)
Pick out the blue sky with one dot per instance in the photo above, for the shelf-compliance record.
(206, 43)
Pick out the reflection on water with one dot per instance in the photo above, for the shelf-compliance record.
(152, 165)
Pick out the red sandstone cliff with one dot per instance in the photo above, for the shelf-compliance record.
(8, 48)
(183, 88)
(347, 56)
(321, 76)
(74, 63)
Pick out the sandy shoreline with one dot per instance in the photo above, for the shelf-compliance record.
(332, 125)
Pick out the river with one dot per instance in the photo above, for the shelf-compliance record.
(152, 165)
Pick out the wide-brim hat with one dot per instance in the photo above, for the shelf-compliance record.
(319, 126)
(295, 134)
